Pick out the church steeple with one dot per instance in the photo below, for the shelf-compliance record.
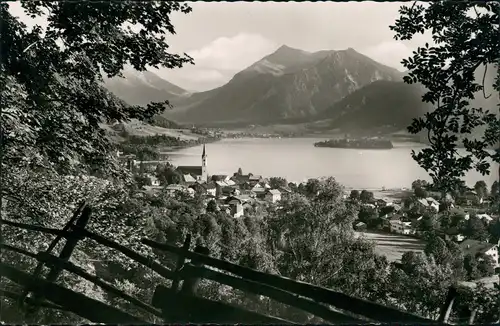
(204, 172)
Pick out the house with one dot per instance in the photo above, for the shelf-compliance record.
(285, 191)
(188, 179)
(383, 202)
(428, 202)
(485, 217)
(397, 207)
(211, 188)
(273, 195)
(360, 227)
(235, 205)
(258, 190)
(198, 188)
(475, 248)
(254, 179)
(248, 193)
(470, 197)
(173, 188)
(387, 218)
(401, 227)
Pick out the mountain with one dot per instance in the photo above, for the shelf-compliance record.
(379, 104)
(287, 84)
(141, 88)
(393, 105)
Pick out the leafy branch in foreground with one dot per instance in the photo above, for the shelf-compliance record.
(466, 37)
(54, 99)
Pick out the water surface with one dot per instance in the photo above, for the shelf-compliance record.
(296, 159)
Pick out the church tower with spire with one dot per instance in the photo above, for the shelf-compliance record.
(204, 173)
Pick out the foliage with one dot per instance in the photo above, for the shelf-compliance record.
(54, 100)
(481, 189)
(425, 284)
(419, 184)
(420, 192)
(466, 36)
(495, 190)
(476, 229)
(354, 195)
(277, 182)
(366, 196)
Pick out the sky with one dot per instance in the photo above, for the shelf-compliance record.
(227, 37)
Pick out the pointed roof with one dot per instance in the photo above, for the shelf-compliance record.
(204, 152)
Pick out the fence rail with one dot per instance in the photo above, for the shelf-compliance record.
(170, 303)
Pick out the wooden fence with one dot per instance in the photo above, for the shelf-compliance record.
(182, 303)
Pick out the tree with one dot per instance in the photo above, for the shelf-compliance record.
(313, 241)
(53, 146)
(481, 189)
(277, 182)
(420, 192)
(386, 210)
(54, 100)
(142, 180)
(211, 206)
(495, 190)
(466, 38)
(370, 216)
(419, 184)
(366, 196)
(475, 229)
(471, 267)
(354, 195)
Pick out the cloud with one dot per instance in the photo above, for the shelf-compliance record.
(234, 53)
(389, 53)
(219, 60)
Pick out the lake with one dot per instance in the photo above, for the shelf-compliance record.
(296, 159)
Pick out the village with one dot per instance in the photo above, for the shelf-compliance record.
(410, 214)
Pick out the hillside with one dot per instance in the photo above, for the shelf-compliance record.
(286, 84)
(379, 104)
(138, 128)
(141, 88)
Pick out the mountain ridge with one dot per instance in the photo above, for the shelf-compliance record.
(286, 84)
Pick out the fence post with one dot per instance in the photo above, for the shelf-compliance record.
(181, 259)
(472, 316)
(190, 284)
(448, 305)
(65, 254)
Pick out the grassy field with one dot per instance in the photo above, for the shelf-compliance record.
(392, 246)
(138, 128)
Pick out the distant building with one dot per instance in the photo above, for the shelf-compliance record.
(428, 202)
(200, 173)
(173, 188)
(273, 195)
(154, 181)
(401, 227)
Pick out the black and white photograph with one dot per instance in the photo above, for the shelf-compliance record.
(250, 162)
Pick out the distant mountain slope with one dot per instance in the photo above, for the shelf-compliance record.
(288, 83)
(381, 103)
(141, 88)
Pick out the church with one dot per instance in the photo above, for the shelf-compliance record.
(197, 172)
